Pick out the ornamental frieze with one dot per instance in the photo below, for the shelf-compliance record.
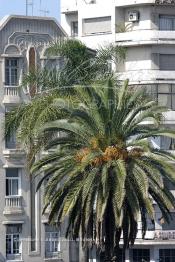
(165, 2)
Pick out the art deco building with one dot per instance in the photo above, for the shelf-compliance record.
(24, 232)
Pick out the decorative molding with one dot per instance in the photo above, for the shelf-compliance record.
(165, 2)
(26, 40)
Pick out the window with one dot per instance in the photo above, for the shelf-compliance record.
(171, 225)
(141, 255)
(169, 184)
(99, 25)
(10, 140)
(167, 62)
(74, 28)
(167, 143)
(13, 240)
(164, 94)
(166, 255)
(120, 254)
(167, 23)
(11, 72)
(12, 182)
(52, 236)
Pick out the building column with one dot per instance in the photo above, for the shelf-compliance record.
(154, 252)
(83, 253)
(127, 259)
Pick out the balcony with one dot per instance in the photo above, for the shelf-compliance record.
(125, 3)
(14, 257)
(69, 7)
(53, 256)
(13, 205)
(11, 95)
(164, 235)
(16, 153)
(145, 37)
(146, 76)
(14, 157)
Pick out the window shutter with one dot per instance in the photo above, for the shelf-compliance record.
(167, 62)
(97, 25)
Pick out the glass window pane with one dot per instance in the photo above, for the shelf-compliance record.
(15, 187)
(164, 100)
(163, 88)
(170, 226)
(12, 172)
(13, 239)
(16, 244)
(11, 72)
(173, 102)
(166, 23)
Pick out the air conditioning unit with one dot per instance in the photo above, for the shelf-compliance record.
(133, 16)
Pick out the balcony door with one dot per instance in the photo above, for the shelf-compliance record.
(12, 182)
(13, 242)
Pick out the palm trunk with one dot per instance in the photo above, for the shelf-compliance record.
(83, 254)
(109, 240)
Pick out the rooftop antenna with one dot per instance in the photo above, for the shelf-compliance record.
(44, 12)
(29, 3)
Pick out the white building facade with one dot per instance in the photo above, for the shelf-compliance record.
(147, 29)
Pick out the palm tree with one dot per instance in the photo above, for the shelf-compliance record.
(108, 170)
(81, 66)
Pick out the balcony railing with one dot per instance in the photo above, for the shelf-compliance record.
(11, 95)
(13, 205)
(133, 2)
(164, 235)
(145, 37)
(11, 91)
(13, 201)
(56, 255)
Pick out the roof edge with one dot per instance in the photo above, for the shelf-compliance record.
(7, 18)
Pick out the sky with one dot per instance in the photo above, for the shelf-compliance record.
(18, 7)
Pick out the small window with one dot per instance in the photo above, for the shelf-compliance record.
(171, 225)
(52, 235)
(10, 140)
(74, 28)
(11, 71)
(165, 95)
(167, 62)
(13, 241)
(98, 25)
(167, 23)
(140, 255)
(12, 182)
(167, 255)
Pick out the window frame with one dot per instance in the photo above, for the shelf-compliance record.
(170, 17)
(9, 74)
(170, 94)
(11, 237)
(73, 33)
(10, 182)
(163, 256)
(138, 256)
(53, 242)
(97, 20)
